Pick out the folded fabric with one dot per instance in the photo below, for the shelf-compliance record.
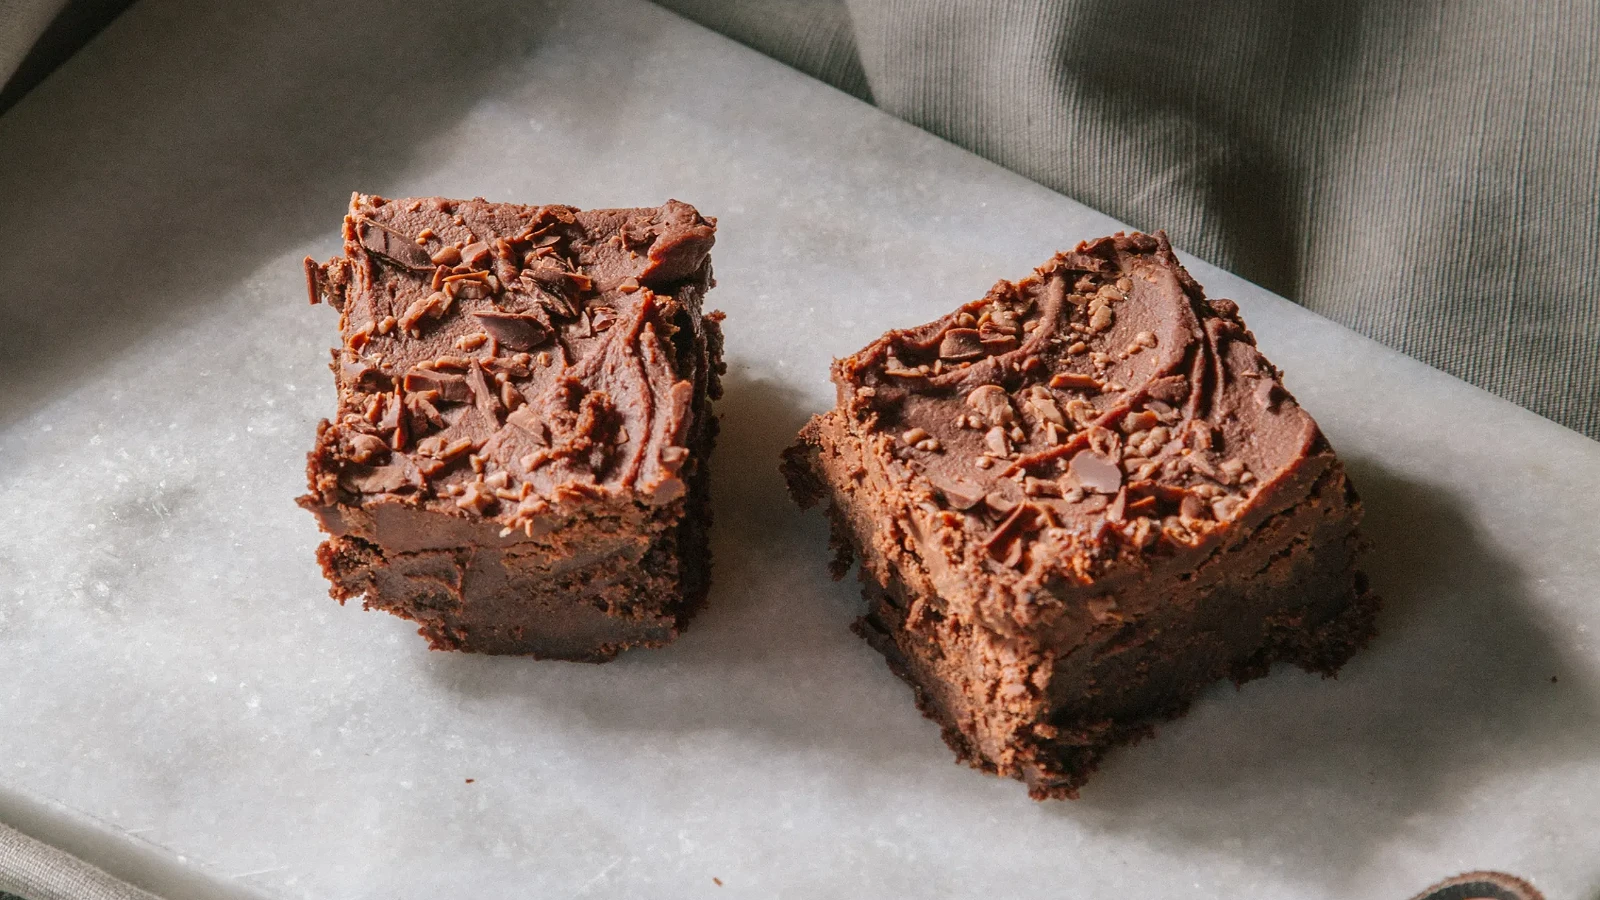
(1426, 173)
(21, 23)
(30, 870)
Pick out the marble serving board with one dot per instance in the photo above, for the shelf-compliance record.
(180, 700)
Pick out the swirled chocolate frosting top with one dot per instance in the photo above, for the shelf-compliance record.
(1101, 409)
(497, 358)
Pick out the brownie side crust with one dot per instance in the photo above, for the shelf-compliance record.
(1076, 503)
(518, 459)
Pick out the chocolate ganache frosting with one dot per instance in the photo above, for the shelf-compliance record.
(499, 358)
(1077, 429)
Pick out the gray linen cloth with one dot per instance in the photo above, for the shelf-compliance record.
(21, 23)
(1426, 172)
(36, 871)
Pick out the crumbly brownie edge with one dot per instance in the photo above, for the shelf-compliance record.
(1056, 768)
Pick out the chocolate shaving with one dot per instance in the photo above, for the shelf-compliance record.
(422, 405)
(378, 479)
(550, 276)
(1145, 505)
(519, 366)
(392, 246)
(1043, 405)
(316, 281)
(1004, 495)
(1173, 389)
(560, 281)
(525, 418)
(1142, 420)
(451, 388)
(1005, 542)
(364, 447)
(431, 306)
(389, 418)
(487, 401)
(998, 502)
(1115, 512)
(1200, 464)
(602, 318)
(1004, 343)
(473, 255)
(1095, 472)
(1075, 381)
(960, 493)
(505, 270)
(997, 441)
(400, 438)
(1162, 411)
(548, 288)
(363, 375)
(519, 331)
(961, 344)
(470, 290)
(1078, 261)
(635, 233)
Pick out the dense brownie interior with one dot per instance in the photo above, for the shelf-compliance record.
(518, 458)
(1079, 500)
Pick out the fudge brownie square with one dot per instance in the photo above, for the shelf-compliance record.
(1076, 502)
(518, 458)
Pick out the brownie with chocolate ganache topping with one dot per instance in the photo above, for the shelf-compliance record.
(518, 458)
(1078, 501)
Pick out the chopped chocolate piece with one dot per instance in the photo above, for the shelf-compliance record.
(557, 509)
(475, 254)
(383, 242)
(450, 388)
(1096, 472)
(1078, 566)
(960, 493)
(961, 344)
